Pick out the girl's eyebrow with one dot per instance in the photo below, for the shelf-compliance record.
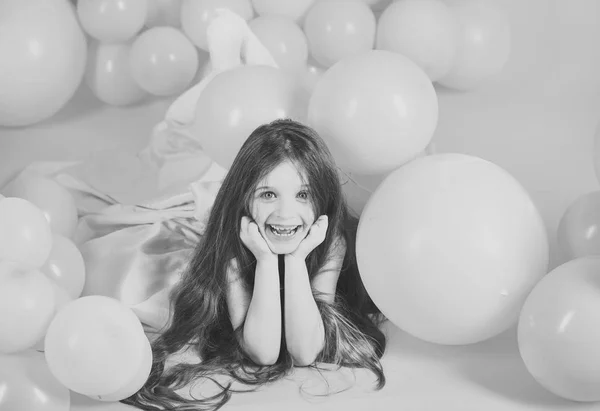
(302, 187)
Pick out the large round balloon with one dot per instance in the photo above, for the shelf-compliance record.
(43, 55)
(449, 246)
(28, 384)
(558, 331)
(377, 110)
(237, 101)
(25, 234)
(484, 43)
(95, 345)
(425, 31)
(53, 199)
(27, 305)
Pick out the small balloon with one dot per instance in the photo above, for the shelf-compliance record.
(65, 266)
(339, 29)
(558, 333)
(25, 234)
(28, 385)
(108, 74)
(163, 61)
(112, 21)
(284, 39)
(578, 233)
(484, 44)
(53, 199)
(27, 305)
(425, 31)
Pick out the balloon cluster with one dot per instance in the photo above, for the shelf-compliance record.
(558, 332)
(141, 48)
(453, 251)
(52, 340)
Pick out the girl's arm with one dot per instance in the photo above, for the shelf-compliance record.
(261, 333)
(304, 330)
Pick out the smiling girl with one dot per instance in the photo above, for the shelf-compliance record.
(274, 284)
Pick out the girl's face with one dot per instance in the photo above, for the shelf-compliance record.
(282, 208)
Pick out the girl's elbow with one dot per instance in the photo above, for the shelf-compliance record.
(263, 358)
(304, 359)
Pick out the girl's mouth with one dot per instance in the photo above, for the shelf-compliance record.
(283, 231)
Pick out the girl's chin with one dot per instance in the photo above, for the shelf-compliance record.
(286, 248)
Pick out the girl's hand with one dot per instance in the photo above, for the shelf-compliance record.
(316, 235)
(253, 239)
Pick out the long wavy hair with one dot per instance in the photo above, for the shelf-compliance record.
(200, 320)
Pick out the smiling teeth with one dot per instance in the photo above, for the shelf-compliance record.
(283, 231)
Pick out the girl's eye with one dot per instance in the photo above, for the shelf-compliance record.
(303, 195)
(269, 195)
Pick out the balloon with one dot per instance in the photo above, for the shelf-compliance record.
(138, 380)
(43, 54)
(61, 298)
(112, 21)
(293, 9)
(108, 74)
(483, 44)
(339, 29)
(284, 39)
(558, 333)
(237, 101)
(27, 305)
(54, 200)
(449, 246)
(313, 72)
(65, 266)
(25, 234)
(163, 61)
(28, 385)
(425, 31)
(578, 230)
(163, 13)
(95, 345)
(377, 110)
(196, 14)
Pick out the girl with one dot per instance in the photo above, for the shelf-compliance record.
(275, 284)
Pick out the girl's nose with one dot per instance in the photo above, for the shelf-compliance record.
(286, 208)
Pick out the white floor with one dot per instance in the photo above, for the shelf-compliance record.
(537, 120)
